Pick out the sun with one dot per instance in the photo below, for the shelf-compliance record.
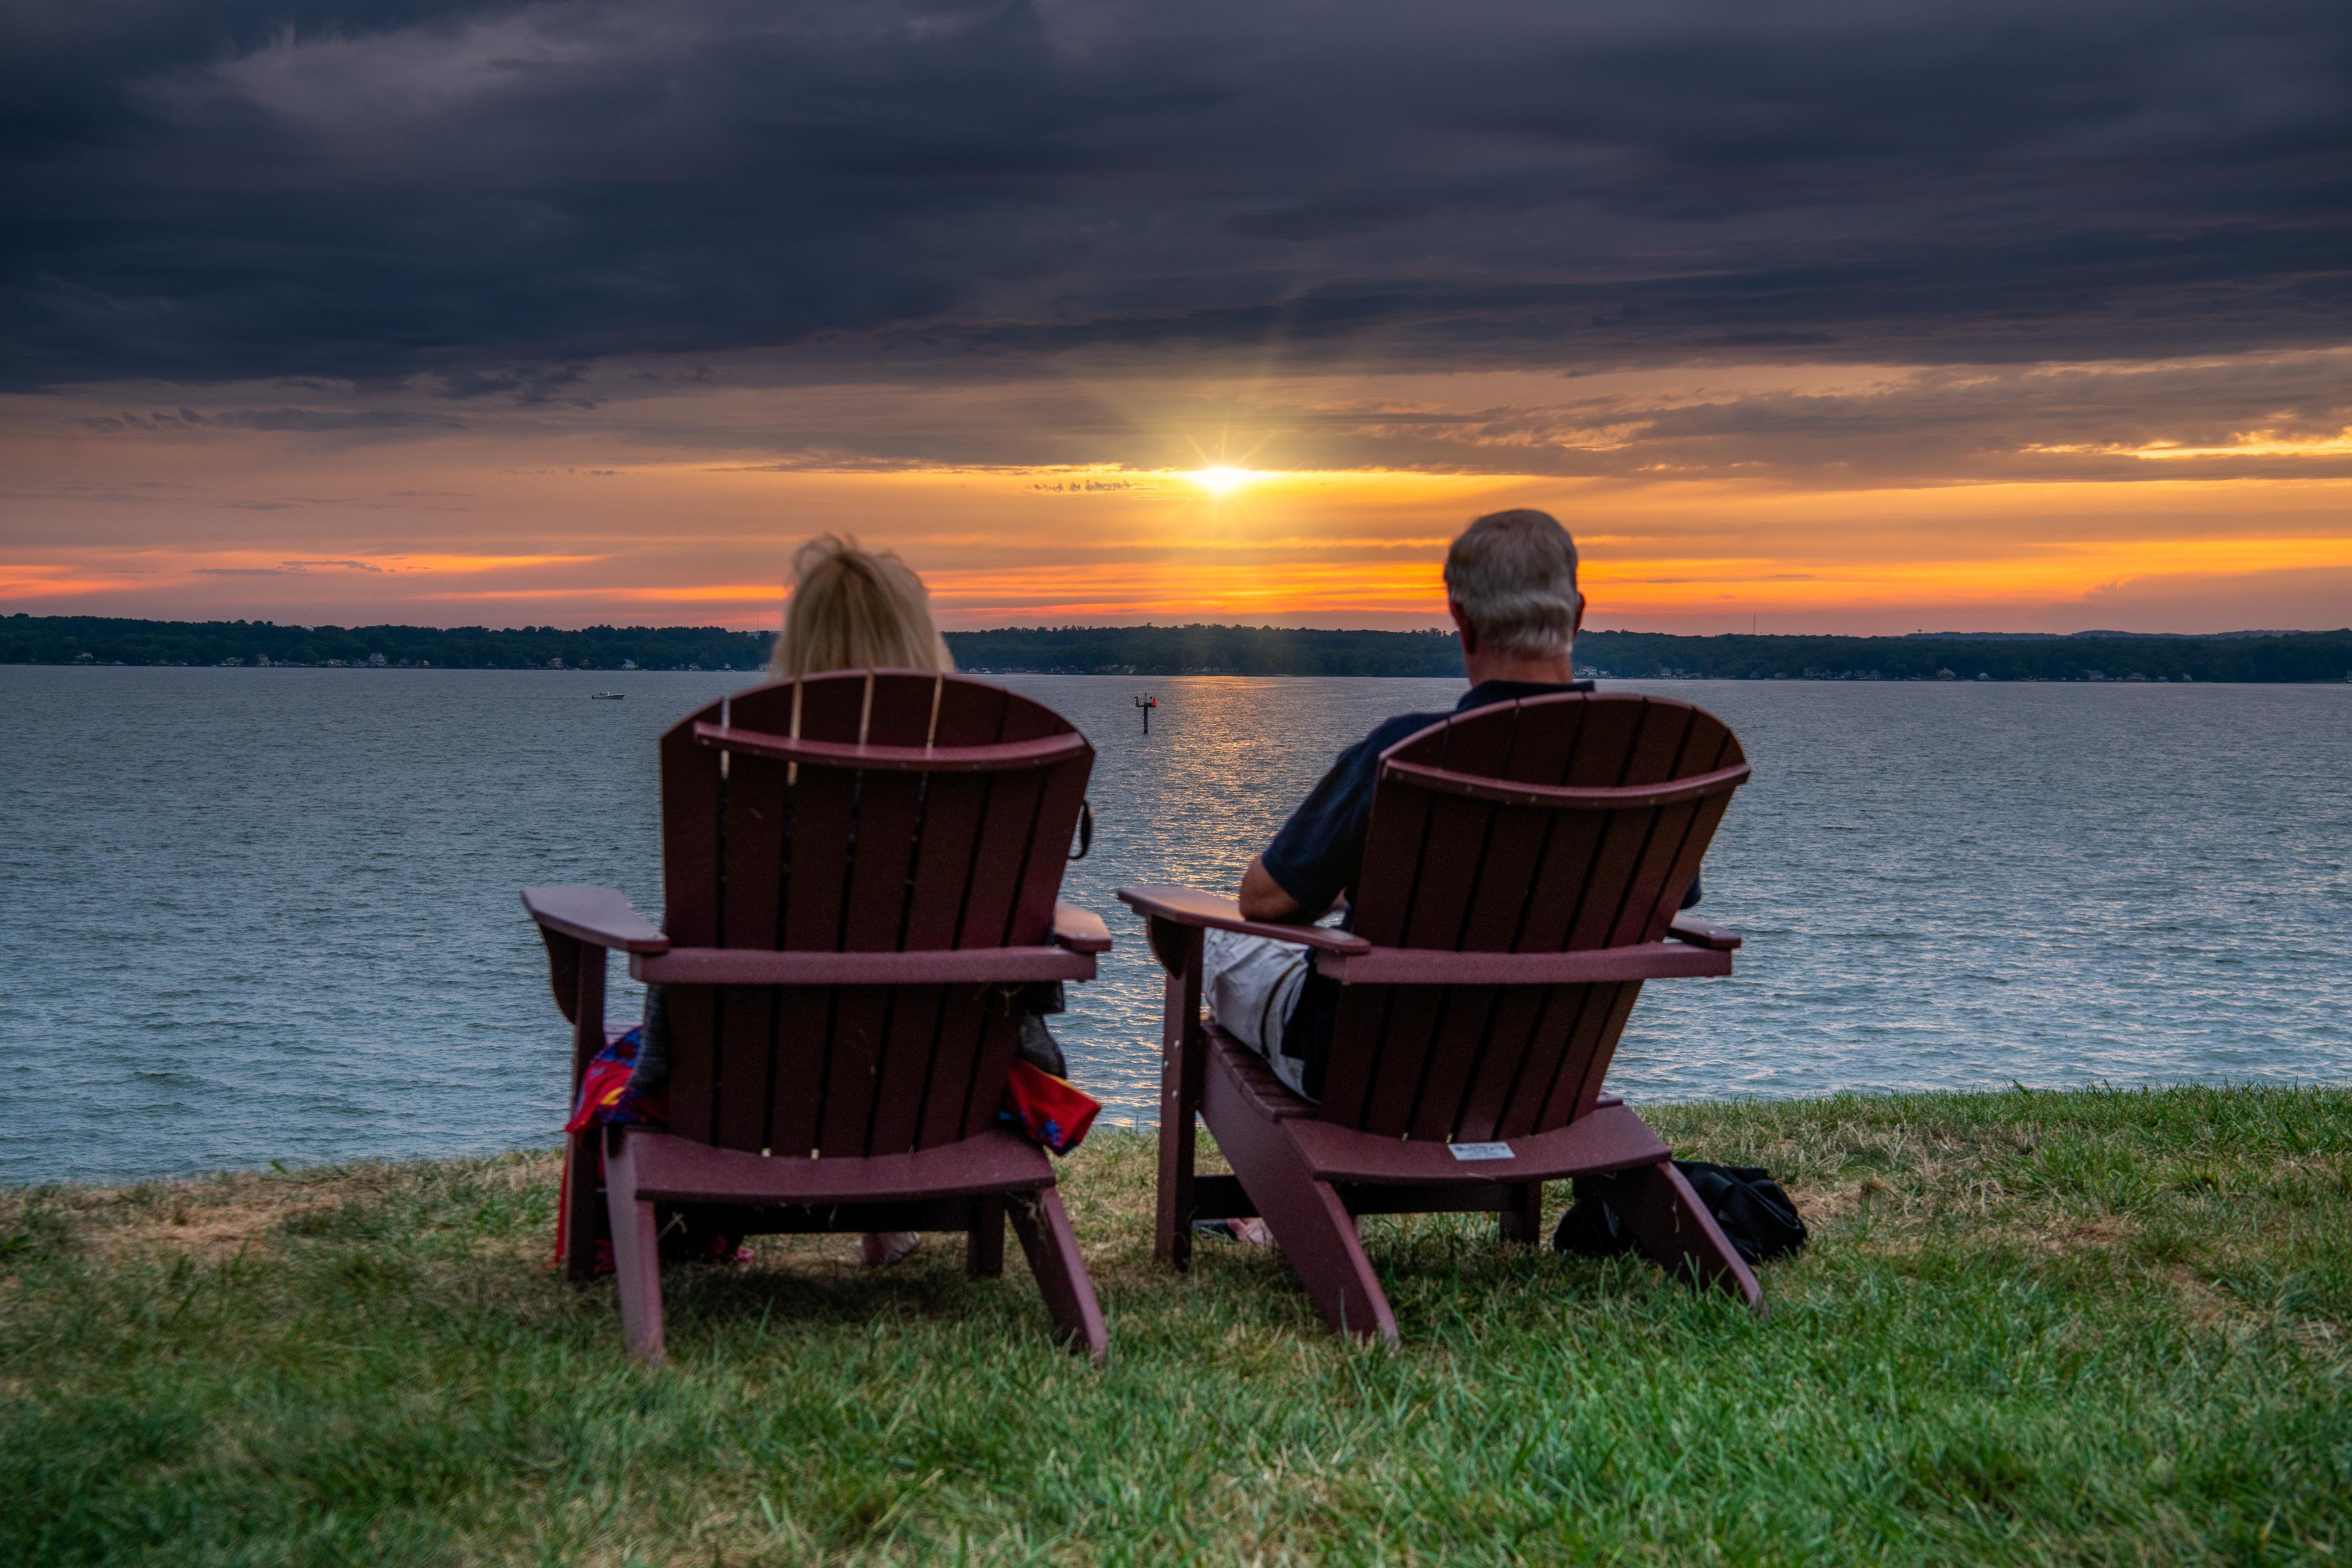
(1221, 481)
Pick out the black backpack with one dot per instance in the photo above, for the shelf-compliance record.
(1757, 1217)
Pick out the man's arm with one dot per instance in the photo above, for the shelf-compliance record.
(1311, 862)
(1262, 897)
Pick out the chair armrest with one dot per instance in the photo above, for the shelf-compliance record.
(824, 967)
(1080, 930)
(1700, 933)
(1589, 965)
(1187, 906)
(600, 916)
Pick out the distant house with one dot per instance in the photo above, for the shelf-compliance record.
(555, 663)
(628, 663)
(375, 661)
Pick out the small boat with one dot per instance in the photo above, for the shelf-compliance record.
(606, 696)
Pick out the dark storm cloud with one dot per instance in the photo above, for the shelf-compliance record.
(275, 421)
(497, 195)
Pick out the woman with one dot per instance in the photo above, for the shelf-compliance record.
(854, 609)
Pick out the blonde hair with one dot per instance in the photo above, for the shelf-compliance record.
(1514, 574)
(855, 609)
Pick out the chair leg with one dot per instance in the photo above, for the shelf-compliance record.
(583, 1205)
(1311, 1225)
(1183, 1062)
(1043, 1227)
(637, 1253)
(1522, 1215)
(1318, 1236)
(1670, 1224)
(983, 1249)
(1171, 1236)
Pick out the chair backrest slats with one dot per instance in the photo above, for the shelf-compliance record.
(963, 1036)
(1590, 1049)
(1357, 1032)
(992, 900)
(846, 1100)
(743, 1047)
(1517, 842)
(760, 851)
(1440, 903)
(689, 812)
(1511, 1044)
(792, 1091)
(1455, 863)
(954, 808)
(1409, 1027)
(1454, 1059)
(894, 1112)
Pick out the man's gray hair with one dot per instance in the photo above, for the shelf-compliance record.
(1514, 574)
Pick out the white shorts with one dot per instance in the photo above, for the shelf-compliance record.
(1252, 984)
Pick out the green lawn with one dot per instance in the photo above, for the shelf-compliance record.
(2104, 1327)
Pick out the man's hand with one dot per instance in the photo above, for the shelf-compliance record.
(1262, 897)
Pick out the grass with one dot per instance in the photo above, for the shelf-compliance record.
(2086, 1327)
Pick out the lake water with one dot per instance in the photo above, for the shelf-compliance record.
(257, 914)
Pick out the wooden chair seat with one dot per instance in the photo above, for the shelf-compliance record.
(1608, 1139)
(1251, 1081)
(988, 1163)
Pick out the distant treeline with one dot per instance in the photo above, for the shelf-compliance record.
(90, 639)
(1208, 651)
(2084, 656)
(1199, 650)
(1647, 655)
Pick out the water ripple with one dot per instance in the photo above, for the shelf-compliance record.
(270, 915)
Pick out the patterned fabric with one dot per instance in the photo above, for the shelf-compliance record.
(1047, 1110)
(607, 1095)
(607, 1098)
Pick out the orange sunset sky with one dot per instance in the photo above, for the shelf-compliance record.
(1850, 318)
(1807, 502)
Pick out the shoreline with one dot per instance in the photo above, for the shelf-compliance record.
(1164, 651)
(131, 1188)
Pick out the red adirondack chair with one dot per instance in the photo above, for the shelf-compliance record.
(858, 868)
(1520, 881)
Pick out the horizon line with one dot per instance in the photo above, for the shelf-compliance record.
(1210, 626)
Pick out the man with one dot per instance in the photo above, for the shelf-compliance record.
(1510, 587)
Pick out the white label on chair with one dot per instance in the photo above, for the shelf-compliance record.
(1481, 1151)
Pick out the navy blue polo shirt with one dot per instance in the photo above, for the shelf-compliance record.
(1318, 856)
